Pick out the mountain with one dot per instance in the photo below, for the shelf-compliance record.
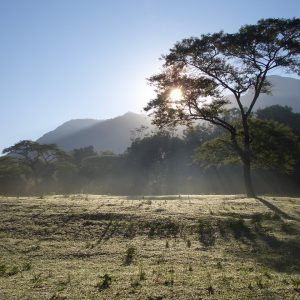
(112, 134)
(68, 128)
(115, 134)
(284, 91)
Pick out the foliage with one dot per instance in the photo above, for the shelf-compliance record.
(129, 256)
(281, 114)
(98, 166)
(37, 163)
(79, 155)
(40, 159)
(274, 146)
(12, 175)
(34, 152)
(105, 283)
(157, 160)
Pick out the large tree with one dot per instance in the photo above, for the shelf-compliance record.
(210, 68)
(40, 161)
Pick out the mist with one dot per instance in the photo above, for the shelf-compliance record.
(157, 163)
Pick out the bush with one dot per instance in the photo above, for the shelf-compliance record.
(105, 283)
(130, 253)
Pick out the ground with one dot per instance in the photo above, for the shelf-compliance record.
(170, 247)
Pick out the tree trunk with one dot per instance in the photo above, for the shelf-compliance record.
(247, 158)
(247, 179)
(245, 155)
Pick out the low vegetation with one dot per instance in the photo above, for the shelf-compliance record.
(187, 247)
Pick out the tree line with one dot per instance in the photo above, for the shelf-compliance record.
(201, 160)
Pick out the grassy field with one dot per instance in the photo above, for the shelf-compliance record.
(188, 247)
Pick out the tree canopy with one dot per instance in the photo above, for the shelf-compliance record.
(281, 114)
(274, 147)
(38, 161)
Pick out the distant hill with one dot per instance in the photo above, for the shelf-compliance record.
(113, 134)
(284, 91)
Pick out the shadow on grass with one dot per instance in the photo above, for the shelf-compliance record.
(268, 239)
(282, 255)
(95, 217)
(236, 228)
(275, 209)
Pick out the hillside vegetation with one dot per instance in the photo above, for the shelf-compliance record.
(169, 247)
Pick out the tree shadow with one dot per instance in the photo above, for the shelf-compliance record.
(236, 228)
(99, 216)
(275, 209)
(280, 255)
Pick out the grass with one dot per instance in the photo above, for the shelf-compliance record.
(103, 247)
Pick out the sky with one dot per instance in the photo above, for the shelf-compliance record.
(72, 59)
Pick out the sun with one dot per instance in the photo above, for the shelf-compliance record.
(176, 94)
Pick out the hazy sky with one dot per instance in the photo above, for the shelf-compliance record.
(69, 59)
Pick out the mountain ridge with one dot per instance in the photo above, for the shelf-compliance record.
(105, 135)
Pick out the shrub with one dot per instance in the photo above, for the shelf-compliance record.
(142, 274)
(167, 244)
(129, 256)
(130, 231)
(105, 283)
(188, 243)
(2, 270)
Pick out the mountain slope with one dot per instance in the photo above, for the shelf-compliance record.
(113, 134)
(66, 129)
(284, 91)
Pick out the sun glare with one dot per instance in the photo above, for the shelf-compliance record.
(176, 94)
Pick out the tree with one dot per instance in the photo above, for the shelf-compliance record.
(12, 178)
(281, 114)
(82, 153)
(209, 68)
(40, 160)
(274, 147)
(152, 159)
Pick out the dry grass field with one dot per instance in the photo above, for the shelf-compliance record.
(153, 248)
